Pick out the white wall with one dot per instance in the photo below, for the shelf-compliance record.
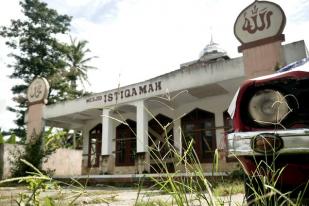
(295, 51)
(65, 162)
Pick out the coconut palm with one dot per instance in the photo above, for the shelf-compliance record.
(78, 62)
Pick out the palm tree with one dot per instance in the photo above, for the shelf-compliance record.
(77, 62)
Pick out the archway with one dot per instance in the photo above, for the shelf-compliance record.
(95, 144)
(126, 144)
(199, 126)
(161, 141)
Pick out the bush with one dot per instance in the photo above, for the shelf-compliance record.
(34, 153)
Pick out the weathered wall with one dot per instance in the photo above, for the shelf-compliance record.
(7, 152)
(295, 51)
(65, 162)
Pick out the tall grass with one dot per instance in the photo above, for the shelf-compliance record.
(184, 187)
(192, 187)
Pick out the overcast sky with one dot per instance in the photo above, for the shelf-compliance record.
(139, 39)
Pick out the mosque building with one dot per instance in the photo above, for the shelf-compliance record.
(122, 127)
(128, 129)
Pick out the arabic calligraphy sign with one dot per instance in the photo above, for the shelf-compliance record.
(38, 91)
(259, 21)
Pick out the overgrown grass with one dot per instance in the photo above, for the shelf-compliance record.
(153, 203)
(192, 187)
(229, 188)
(185, 186)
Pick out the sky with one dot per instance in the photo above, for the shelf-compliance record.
(139, 39)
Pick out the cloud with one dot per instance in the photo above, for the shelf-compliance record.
(95, 11)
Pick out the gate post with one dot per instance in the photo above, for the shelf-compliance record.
(37, 94)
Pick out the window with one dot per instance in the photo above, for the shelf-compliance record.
(95, 143)
(126, 144)
(160, 143)
(199, 126)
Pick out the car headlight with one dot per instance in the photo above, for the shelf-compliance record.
(268, 107)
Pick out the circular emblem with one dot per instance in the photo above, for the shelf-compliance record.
(38, 91)
(260, 20)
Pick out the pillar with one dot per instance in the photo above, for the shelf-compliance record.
(108, 161)
(37, 94)
(178, 136)
(85, 169)
(263, 59)
(106, 132)
(259, 29)
(143, 161)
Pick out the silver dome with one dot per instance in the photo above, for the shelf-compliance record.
(212, 51)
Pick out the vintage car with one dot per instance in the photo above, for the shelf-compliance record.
(271, 129)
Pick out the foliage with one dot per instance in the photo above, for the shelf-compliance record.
(193, 188)
(77, 62)
(36, 152)
(227, 188)
(153, 203)
(37, 182)
(262, 188)
(33, 153)
(37, 52)
(10, 140)
(1, 139)
(237, 174)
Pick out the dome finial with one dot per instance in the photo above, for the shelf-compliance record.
(212, 51)
(211, 36)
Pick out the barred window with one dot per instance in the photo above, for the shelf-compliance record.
(199, 126)
(95, 143)
(126, 144)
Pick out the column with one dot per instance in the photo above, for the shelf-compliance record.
(141, 128)
(108, 160)
(178, 136)
(178, 143)
(106, 132)
(85, 169)
(142, 138)
(37, 94)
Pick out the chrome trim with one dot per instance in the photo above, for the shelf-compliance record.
(295, 141)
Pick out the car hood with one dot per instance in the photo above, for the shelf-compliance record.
(296, 69)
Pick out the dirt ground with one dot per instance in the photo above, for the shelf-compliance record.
(110, 196)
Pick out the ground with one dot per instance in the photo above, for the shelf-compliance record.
(103, 195)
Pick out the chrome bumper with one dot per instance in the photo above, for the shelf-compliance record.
(295, 141)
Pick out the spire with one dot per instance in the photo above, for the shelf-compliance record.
(212, 51)
(211, 37)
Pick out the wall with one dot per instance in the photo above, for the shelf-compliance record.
(295, 51)
(65, 162)
(6, 155)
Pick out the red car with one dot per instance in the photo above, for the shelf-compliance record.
(271, 129)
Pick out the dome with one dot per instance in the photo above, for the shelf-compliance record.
(213, 52)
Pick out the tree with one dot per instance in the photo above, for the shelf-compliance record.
(77, 62)
(38, 53)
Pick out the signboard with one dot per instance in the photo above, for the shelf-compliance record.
(258, 22)
(125, 93)
(38, 91)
